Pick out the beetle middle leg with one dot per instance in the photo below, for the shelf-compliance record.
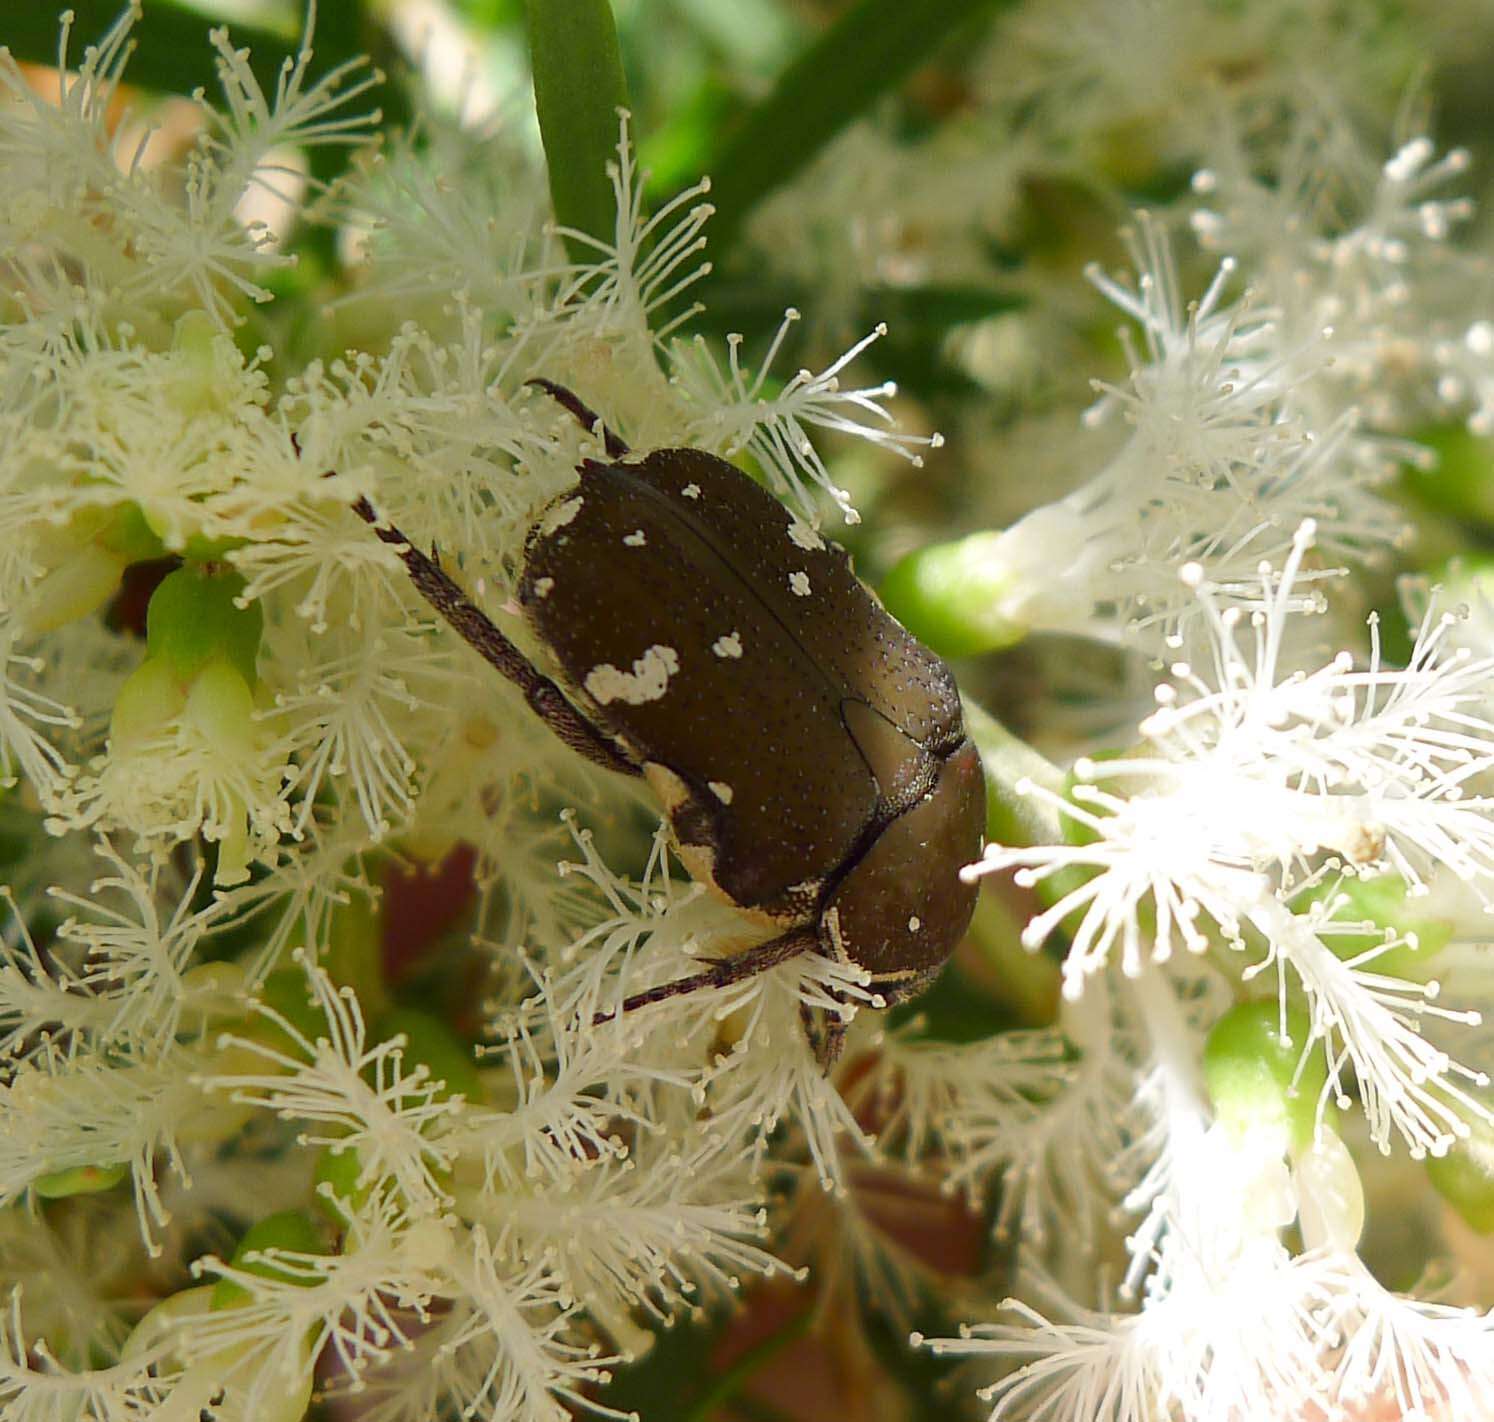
(723, 972)
(546, 699)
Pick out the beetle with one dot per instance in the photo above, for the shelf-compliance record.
(809, 753)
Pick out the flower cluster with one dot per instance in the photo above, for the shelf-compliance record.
(314, 940)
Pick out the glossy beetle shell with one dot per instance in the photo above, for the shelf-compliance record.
(810, 753)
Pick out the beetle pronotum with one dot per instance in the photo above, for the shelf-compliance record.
(810, 754)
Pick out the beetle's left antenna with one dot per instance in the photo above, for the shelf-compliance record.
(545, 699)
(588, 418)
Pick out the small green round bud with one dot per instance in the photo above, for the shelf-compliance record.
(79, 584)
(1385, 900)
(80, 1180)
(286, 992)
(193, 618)
(290, 1230)
(128, 534)
(1464, 1177)
(949, 596)
(221, 705)
(151, 697)
(337, 1188)
(1252, 1071)
(431, 1043)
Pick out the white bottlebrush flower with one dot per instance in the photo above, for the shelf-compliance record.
(737, 415)
(1253, 773)
(1352, 250)
(351, 1095)
(1221, 467)
(26, 713)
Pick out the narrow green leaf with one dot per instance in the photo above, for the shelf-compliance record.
(578, 89)
(868, 51)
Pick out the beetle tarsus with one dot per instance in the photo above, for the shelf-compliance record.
(589, 420)
(723, 972)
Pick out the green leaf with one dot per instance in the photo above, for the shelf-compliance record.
(578, 89)
(867, 52)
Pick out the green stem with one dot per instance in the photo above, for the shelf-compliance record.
(1012, 818)
(872, 47)
(578, 90)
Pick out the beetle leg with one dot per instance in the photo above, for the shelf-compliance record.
(589, 420)
(825, 1033)
(545, 698)
(723, 972)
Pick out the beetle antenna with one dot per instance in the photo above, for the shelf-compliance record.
(723, 972)
(588, 418)
(475, 628)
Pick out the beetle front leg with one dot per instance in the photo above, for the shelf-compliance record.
(475, 627)
(723, 972)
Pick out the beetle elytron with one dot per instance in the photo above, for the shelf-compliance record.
(809, 753)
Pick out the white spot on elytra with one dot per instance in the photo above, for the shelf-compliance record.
(728, 646)
(558, 515)
(721, 790)
(801, 535)
(542, 587)
(914, 924)
(635, 539)
(799, 584)
(691, 491)
(648, 680)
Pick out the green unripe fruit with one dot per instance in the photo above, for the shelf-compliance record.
(430, 1042)
(1250, 1069)
(192, 619)
(290, 1230)
(1464, 1177)
(80, 1180)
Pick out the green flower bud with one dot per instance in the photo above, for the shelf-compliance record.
(192, 618)
(81, 583)
(291, 1230)
(152, 697)
(337, 1188)
(950, 595)
(221, 705)
(1464, 1177)
(128, 534)
(287, 993)
(1385, 900)
(430, 1042)
(80, 1180)
(1250, 1069)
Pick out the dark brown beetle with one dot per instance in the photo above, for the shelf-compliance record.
(809, 752)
